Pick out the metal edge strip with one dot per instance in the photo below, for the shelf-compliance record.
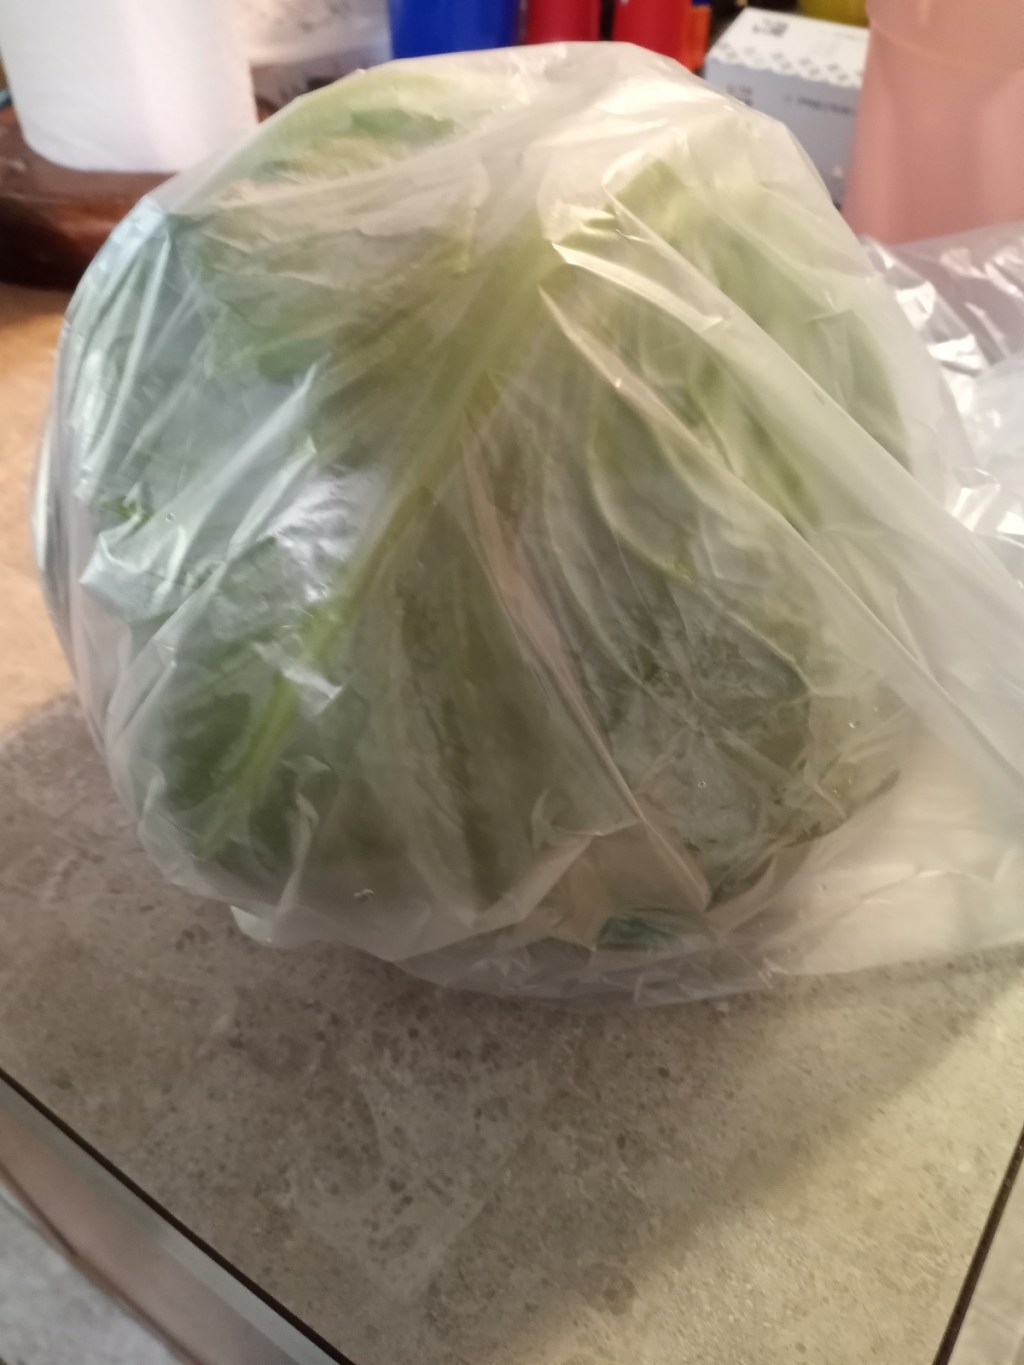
(122, 1239)
(986, 1326)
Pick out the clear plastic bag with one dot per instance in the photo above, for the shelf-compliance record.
(495, 519)
(964, 296)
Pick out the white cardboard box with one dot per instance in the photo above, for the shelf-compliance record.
(805, 72)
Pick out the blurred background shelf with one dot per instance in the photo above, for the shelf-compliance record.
(53, 220)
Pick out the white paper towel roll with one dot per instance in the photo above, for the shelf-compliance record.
(126, 85)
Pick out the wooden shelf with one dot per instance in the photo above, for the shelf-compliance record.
(53, 220)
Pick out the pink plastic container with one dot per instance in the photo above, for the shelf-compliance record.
(939, 143)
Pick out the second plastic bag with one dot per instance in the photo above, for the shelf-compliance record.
(494, 518)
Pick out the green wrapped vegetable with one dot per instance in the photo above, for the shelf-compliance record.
(479, 511)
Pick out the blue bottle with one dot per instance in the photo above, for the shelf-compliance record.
(419, 27)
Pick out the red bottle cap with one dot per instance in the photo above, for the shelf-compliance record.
(563, 21)
(660, 25)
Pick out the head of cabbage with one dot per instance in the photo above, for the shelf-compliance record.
(452, 507)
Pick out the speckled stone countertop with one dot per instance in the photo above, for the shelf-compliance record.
(434, 1179)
